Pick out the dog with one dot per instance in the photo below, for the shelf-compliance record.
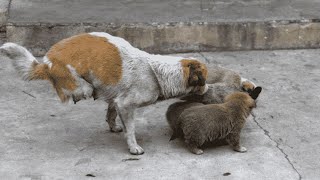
(106, 67)
(221, 82)
(198, 123)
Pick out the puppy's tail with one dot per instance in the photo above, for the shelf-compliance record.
(176, 134)
(24, 62)
(173, 137)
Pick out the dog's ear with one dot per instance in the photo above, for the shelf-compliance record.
(255, 93)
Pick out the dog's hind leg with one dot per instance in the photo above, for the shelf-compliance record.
(111, 118)
(126, 114)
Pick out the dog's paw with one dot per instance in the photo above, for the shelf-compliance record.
(240, 149)
(136, 150)
(116, 129)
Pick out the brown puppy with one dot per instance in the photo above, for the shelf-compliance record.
(199, 123)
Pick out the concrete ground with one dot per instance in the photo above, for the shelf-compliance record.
(44, 139)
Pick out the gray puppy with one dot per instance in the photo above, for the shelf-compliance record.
(221, 83)
(198, 123)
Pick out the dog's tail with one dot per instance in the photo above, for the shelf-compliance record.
(24, 62)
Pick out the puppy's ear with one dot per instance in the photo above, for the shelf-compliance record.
(255, 93)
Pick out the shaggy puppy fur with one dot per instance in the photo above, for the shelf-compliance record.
(221, 82)
(103, 66)
(198, 123)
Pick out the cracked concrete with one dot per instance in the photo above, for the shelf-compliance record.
(277, 145)
(44, 139)
(291, 81)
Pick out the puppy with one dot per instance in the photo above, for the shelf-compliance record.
(103, 66)
(223, 76)
(198, 123)
(221, 82)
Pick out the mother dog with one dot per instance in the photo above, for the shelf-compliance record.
(102, 66)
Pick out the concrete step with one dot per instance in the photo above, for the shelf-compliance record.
(169, 27)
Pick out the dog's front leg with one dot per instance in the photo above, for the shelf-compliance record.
(126, 116)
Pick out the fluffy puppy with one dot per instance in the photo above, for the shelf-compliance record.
(103, 66)
(198, 123)
(221, 82)
(224, 76)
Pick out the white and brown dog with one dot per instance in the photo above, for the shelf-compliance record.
(102, 66)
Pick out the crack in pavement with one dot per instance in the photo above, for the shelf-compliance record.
(277, 145)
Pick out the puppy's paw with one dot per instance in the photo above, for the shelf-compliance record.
(195, 150)
(198, 151)
(136, 150)
(240, 149)
(116, 129)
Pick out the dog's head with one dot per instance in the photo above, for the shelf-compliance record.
(195, 75)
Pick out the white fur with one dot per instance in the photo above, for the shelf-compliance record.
(146, 77)
(84, 89)
(22, 58)
(47, 61)
(164, 67)
(246, 80)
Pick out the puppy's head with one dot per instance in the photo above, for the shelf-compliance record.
(248, 86)
(241, 98)
(247, 99)
(195, 75)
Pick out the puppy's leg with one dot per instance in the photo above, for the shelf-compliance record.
(194, 149)
(126, 115)
(111, 118)
(233, 140)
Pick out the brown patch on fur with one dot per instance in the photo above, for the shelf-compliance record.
(39, 71)
(247, 86)
(85, 53)
(194, 72)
